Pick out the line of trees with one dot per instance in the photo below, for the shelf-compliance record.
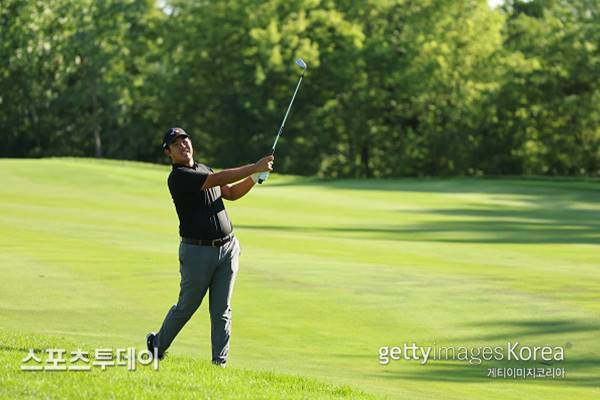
(393, 88)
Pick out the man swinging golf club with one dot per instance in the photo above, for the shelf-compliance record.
(208, 252)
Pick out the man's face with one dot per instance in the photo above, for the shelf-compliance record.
(181, 151)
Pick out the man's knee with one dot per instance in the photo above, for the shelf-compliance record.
(187, 307)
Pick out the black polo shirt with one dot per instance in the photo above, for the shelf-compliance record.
(201, 213)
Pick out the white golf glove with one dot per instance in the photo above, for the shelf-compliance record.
(255, 177)
(259, 177)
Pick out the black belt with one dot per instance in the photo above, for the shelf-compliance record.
(213, 243)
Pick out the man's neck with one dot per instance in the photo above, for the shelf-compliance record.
(185, 163)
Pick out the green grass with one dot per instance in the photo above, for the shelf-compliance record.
(181, 377)
(330, 272)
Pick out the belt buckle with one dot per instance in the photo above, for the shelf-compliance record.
(212, 242)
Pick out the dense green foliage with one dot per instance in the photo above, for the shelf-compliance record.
(394, 87)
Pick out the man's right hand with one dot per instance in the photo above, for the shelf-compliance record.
(265, 164)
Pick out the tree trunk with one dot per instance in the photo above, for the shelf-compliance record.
(98, 143)
(364, 158)
(96, 125)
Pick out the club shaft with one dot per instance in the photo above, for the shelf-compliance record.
(286, 114)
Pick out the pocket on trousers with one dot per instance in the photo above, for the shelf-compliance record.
(182, 256)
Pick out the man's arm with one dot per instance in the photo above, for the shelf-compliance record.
(237, 190)
(232, 175)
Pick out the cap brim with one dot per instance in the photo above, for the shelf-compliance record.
(170, 142)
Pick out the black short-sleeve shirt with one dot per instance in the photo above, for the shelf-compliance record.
(201, 213)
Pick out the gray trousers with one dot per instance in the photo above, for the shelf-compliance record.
(204, 268)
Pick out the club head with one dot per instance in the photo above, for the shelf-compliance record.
(300, 62)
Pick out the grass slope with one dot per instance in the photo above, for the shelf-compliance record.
(330, 271)
(180, 378)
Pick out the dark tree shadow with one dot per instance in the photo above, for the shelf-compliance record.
(585, 230)
(510, 330)
(547, 211)
(496, 185)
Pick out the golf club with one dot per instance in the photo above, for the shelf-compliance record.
(300, 62)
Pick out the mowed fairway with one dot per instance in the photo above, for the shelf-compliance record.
(330, 272)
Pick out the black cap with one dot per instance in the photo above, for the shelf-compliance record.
(171, 135)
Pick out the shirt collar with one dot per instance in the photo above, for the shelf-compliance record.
(184, 166)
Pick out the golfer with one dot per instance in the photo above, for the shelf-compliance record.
(208, 252)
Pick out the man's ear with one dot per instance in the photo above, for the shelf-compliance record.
(168, 152)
